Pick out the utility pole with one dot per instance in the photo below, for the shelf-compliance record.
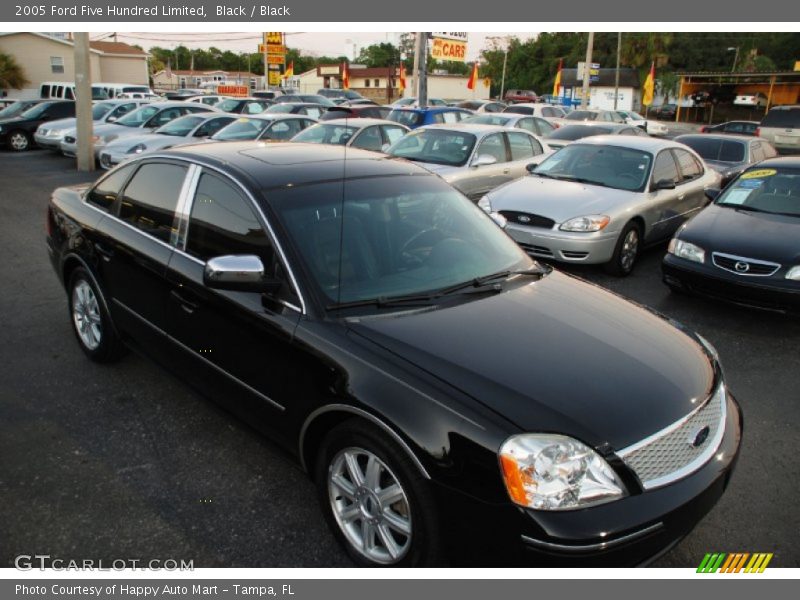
(503, 78)
(586, 70)
(421, 68)
(83, 103)
(616, 75)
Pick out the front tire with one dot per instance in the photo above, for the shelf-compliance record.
(19, 141)
(626, 251)
(376, 502)
(91, 323)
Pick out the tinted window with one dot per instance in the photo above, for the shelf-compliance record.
(62, 109)
(223, 222)
(610, 166)
(105, 192)
(788, 118)
(543, 127)
(665, 168)
(150, 198)
(493, 145)
(122, 109)
(409, 118)
(369, 139)
(393, 133)
(435, 146)
(575, 132)
(716, 149)
(521, 146)
(690, 168)
(283, 130)
(520, 110)
(211, 126)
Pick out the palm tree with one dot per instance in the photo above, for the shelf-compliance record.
(11, 74)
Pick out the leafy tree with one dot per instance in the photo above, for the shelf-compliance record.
(11, 73)
(379, 55)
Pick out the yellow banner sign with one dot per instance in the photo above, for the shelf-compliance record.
(275, 59)
(449, 50)
(274, 78)
(274, 37)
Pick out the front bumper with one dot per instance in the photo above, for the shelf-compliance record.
(632, 531)
(109, 159)
(763, 292)
(47, 141)
(564, 246)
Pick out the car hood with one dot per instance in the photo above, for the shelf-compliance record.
(153, 141)
(442, 171)
(107, 129)
(557, 200)
(557, 355)
(66, 124)
(744, 233)
(13, 120)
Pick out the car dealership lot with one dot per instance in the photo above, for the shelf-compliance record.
(128, 462)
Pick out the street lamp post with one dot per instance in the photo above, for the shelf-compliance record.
(506, 39)
(735, 57)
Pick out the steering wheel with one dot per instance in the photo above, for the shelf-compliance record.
(629, 177)
(425, 238)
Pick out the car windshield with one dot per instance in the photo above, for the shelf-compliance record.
(775, 191)
(138, 117)
(409, 118)
(326, 134)
(280, 108)
(15, 109)
(405, 101)
(782, 117)
(716, 149)
(608, 166)
(181, 127)
(431, 237)
(582, 115)
(633, 115)
(36, 111)
(438, 146)
(316, 99)
(576, 132)
(229, 105)
(487, 120)
(242, 129)
(100, 110)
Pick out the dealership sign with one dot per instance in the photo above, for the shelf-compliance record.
(449, 46)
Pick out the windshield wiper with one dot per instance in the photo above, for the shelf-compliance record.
(479, 283)
(743, 207)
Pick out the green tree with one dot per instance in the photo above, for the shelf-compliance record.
(379, 55)
(12, 75)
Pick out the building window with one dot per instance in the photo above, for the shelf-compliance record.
(366, 83)
(377, 83)
(56, 64)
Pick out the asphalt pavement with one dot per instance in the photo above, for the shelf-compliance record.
(128, 462)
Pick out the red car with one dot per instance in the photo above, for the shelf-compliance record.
(520, 96)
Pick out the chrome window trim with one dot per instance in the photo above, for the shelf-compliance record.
(181, 222)
(215, 366)
(593, 547)
(366, 415)
(765, 263)
(701, 458)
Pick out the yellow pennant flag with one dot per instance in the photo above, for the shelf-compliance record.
(649, 86)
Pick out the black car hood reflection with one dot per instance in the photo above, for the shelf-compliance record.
(749, 234)
(557, 355)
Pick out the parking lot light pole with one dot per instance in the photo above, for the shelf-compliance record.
(587, 70)
(83, 103)
(505, 60)
(735, 57)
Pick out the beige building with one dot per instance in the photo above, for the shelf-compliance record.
(45, 58)
(173, 79)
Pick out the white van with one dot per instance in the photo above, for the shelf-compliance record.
(115, 89)
(65, 90)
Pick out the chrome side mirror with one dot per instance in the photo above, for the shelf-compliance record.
(484, 159)
(238, 272)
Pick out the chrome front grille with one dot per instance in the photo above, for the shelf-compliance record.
(744, 266)
(674, 452)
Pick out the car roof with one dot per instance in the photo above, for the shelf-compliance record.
(720, 136)
(535, 104)
(473, 128)
(361, 122)
(420, 109)
(792, 162)
(269, 116)
(282, 164)
(646, 144)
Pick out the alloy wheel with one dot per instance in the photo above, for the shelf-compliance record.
(630, 250)
(86, 315)
(18, 141)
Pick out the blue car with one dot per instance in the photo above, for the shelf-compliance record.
(417, 117)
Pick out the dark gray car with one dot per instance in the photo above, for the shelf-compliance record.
(728, 154)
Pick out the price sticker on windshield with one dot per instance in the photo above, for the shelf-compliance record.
(759, 173)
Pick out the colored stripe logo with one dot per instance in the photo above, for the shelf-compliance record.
(737, 562)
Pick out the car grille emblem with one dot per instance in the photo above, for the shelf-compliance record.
(524, 219)
(741, 267)
(696, 440)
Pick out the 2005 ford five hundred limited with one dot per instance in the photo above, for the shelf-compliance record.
(452, 399)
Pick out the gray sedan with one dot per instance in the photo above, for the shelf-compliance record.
(183, 130)
(472, 158)
(532, 124)
(602, 199)
(368, 134)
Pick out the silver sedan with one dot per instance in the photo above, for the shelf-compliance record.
(602, 199)
(474, 159)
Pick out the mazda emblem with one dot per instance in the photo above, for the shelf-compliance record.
(524, 219)
(701, 435)
(741, 267)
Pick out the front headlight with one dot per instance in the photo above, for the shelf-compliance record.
(485, 204)
(137, 149)
(586, 224)
(55, 133)
(556, 472)
(686, 250)
(793, 273)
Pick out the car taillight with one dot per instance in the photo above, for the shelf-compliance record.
(758, 131)
(703, 129)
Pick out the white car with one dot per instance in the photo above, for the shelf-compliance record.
(757, 99)
(637, 120)
(554, 114)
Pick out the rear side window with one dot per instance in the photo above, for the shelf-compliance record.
(223, 222)
(522, 146)
(150, 199)
(787, 118)
(105, 192)
(544, 128)
(665, 168)
(451, 117)
(690, 168)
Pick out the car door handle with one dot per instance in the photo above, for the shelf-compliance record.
(506, 171)
(681, 196)
(104, 252)
(186, 305)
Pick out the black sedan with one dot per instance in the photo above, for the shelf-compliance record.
(449, 396)
(562, 136)
(727, 154)
(734, 127)
(743, 247)
(17, 132)
(16, 108)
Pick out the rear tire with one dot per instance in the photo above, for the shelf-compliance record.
(19, 141)
(626, 251)
(377, 503)
(91, 323)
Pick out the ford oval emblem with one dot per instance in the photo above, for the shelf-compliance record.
(741, 267)
(524, 219)
(700, 436)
